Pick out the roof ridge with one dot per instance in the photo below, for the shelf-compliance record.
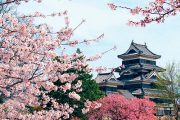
(136, 47)
(139, 44)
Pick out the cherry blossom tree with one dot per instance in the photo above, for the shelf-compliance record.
(84, 85)
(156, 11)
(117, 107)
(29, 71)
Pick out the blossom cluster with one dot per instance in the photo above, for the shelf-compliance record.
(156, 11)
(116, 106)
(89, 106)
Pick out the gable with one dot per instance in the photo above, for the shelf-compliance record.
(112, 78)
(127, 72)
(153, 75)
(131, 51)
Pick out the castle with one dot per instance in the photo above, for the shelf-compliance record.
(137, 75)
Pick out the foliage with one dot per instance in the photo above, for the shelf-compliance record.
(117, 107)
(90, 91)
(168, 84)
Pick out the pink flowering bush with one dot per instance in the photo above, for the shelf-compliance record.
(117, 107)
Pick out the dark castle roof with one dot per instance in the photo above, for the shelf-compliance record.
(147, 92)
(107, 78)
(102, 77)
(140, 50)
(138, 68)
(146, 67)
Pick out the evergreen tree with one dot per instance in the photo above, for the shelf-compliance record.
(90, 91)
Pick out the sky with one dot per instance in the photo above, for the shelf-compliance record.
(162, 39)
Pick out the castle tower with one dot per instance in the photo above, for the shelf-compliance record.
(139, 70)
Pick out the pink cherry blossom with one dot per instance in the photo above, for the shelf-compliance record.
(112, 6)
(95, 57)
(74, 95)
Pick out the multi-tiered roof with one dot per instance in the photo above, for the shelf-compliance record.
(139, 71)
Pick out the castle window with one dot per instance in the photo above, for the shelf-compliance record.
(128, 62)
(147, 86)
(108, 88)
(135, 61)
(147, 62)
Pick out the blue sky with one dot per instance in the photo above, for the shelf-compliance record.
(162, 39)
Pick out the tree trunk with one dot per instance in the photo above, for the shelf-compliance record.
(176, 110)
